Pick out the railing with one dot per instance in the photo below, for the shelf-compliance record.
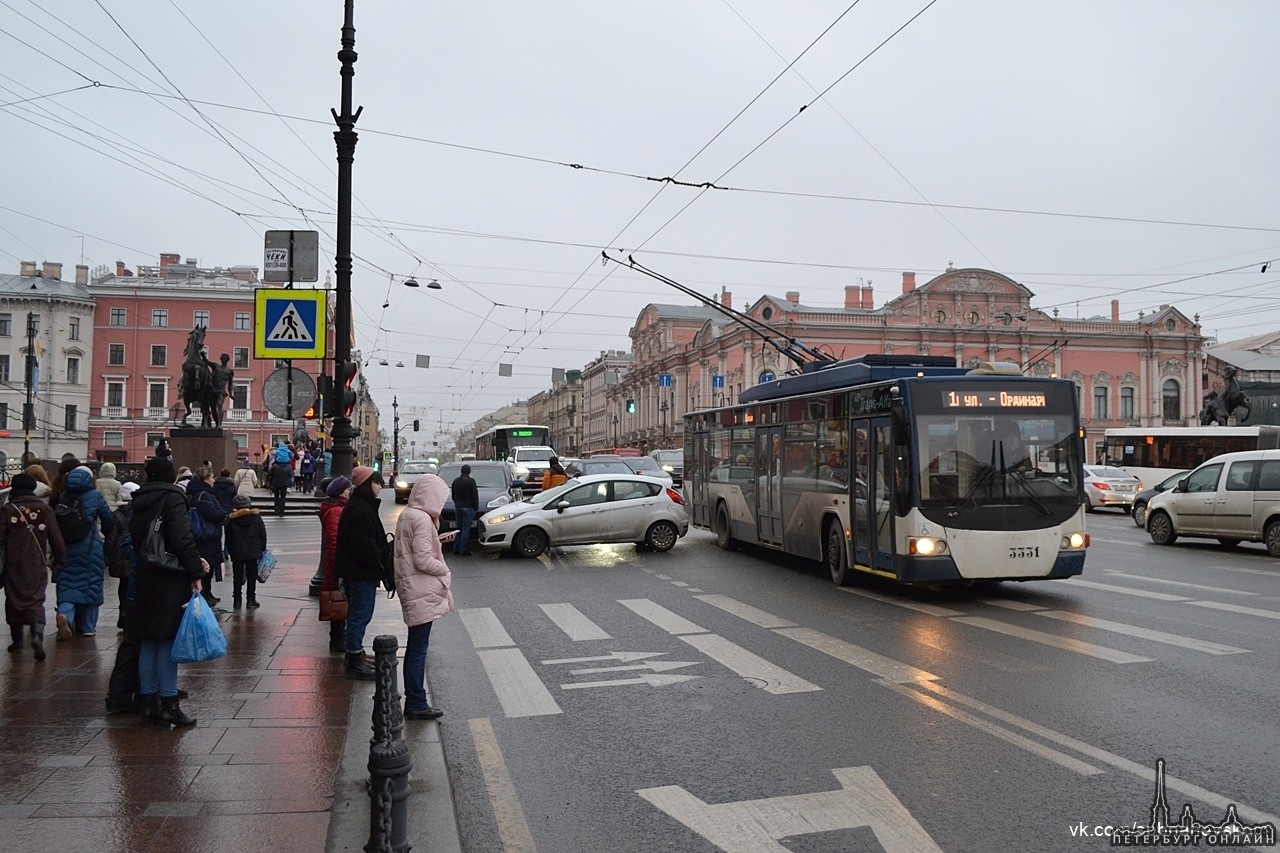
(239, 414)
(155, 412)
(113, 411)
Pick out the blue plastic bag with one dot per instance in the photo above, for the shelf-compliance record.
(199, 635)
(266, 563)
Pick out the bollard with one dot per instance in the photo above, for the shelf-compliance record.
(389, 759)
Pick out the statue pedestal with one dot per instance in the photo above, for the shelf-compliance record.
(191, 446)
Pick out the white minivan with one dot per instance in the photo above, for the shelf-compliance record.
(1233, 498)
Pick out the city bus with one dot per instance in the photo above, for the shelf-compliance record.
(1154, 453)
(903, 467)
(496, 443)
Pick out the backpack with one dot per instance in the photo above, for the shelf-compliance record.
(201, 528)
(71, 521)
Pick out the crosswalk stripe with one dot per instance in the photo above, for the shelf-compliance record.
(1124, 590)
(745, 611)
(574, 624)
(922, 607)
(518, 687)
(1010, 604)
(484, 628)
(772, 678)
(1066, 643)
(1236, 608)
(1216, 589)
(1143, 633)
(662, 617)
(887, 669)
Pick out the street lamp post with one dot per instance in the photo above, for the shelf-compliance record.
(662, 411)
(615, 431)
(395, 432)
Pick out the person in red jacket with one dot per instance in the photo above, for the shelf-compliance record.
(330, 511)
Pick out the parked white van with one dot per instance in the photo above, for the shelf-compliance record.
(1233, 498)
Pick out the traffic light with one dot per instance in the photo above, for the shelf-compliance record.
(344, 396)
(631, 407)
(415, 425)
(324, 396)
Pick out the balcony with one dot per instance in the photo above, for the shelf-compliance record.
(155, 412)
(239, 414)
(113, 411)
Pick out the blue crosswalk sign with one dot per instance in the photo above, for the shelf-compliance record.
(289, 323)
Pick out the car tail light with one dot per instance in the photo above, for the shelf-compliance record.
(675, 496)
(1102, 486)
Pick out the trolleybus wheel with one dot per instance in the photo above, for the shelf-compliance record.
(724, 535)
(837, 562)
(1160, 526)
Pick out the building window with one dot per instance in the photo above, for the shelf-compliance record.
(113, 439)
(939, 316)
(1100, 402)
(279, 437)
(1172, 395)
(200, 318)
(159, 355)
(1126, 404)
(242, 440)
(4, 368)
(115, 354)
(241, 358)
(69, 422)
(160, 318)
(115, 394)
(73, 328)
(974, 318)
(6, 325)
(73, 370)
(1170, 324)
(153, 438)
(244, 322)
(4, 415)
(240, 397)
(117, 317)
(155, 395)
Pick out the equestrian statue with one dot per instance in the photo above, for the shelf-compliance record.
(203, 382)
(1219, 407)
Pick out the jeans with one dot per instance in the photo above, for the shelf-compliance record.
(415, 668)
(466, 516)
(157, 673)
(83, 617)
(361, 596)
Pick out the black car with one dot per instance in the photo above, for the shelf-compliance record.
(1144, 497)
(495, 481)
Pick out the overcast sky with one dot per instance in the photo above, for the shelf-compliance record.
(1091, 150)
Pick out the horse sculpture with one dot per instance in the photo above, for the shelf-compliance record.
(1219, 407)
(196, 383)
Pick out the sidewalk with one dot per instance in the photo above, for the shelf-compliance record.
(277, 759)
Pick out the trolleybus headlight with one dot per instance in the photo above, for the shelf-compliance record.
(926, 546)
(1075, 541)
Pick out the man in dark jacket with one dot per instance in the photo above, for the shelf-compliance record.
(246, 540)
(466, 503)
(281, 478)
(204, 500)
(358, 561)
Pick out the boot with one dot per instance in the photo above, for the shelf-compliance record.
(171, 713)
(16, 645)
(253, 602)
(150, 704)
(37, 640)
(236, 598)
(359, 668)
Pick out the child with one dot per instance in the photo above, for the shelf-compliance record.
(246, 540)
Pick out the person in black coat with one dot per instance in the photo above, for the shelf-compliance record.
(204, 500)
(160, 593)
(358, 562)
(224, 488)
(246, 540)
(281, 478)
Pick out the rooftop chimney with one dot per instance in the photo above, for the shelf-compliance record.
(120, 268)
(168, 258)
(1115, 310)
(908, 282)
(82, 274)
(852, 297)
(27, 269)
(53, 270)
(868, 297)
(793, 296)
(726, 298)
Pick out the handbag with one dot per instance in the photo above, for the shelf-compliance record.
(199, 636)
(266, 564)
(155, 550)
(333, 605)
(388, 560)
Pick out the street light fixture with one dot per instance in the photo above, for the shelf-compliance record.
(615, 430)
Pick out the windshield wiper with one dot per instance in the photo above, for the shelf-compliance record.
(1020, 480)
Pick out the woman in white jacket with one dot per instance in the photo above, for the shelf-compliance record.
(423, 584)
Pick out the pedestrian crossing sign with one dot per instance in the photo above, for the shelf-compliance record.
(289, 323)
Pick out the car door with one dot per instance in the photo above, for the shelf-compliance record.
(1233, 507)
(631, 508)
(585, 519)
(1194, 508)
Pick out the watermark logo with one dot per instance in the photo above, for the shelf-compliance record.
(1188, 831)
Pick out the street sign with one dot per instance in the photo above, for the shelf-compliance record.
(299, 248)
(289, 323)
(275, 392)
(664, 380)
(717, 381)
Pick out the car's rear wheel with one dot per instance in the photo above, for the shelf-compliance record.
(662, 536)
(836, 556)
(1227, 542)
(724, 535)
(529, 542)
(1140, 515)
(1271, 538)
(1088, 506)
(1160, 526)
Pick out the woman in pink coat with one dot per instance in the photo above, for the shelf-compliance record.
(423, 586)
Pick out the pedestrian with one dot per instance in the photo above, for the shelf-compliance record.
(162, 449)
(308, 469)
(423, 585)
(246, 540)
(358, 561)
(466, 503)
(36, 472)
(245, 480)
(107, 485)
(162, 593)
(224, 488)
(280, 477)
(184, 476)
(80, 582)
(330, 511)
(27, 530)
(201, 497)
(122, 562)
(555, 474)
(119, 548)
(56, 486)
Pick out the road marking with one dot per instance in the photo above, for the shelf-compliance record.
(1216, 589)
(757, 826)
(1236, 608)
(484, 628)
(1144, 633)
(652, 665)
(775, 679)
(745, 611)
(1124, 590)
(507, 812)
(612, 656)
(570, 620)
(662, 617)
(1270, 573)
(864, 659)
(1066, 643)
(648, 678)
(931, 609)
(1010, 604)
(517, 686)
(1021, 741)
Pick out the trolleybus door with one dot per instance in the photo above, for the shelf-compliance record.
(769, 488)
(872, 520)
(699, 465)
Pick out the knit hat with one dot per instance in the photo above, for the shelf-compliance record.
(241, 501)
(22, 483)
(126, 492)
(337, 486)
(358, 476)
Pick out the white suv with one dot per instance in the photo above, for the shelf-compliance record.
(530, 464)
(1233, 498)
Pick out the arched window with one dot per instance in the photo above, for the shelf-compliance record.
(1172, 400)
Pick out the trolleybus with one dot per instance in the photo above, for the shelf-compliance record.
(496, 443)
(1153, 453)
(904, 467)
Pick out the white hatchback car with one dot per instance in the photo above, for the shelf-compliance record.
(592, 509)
